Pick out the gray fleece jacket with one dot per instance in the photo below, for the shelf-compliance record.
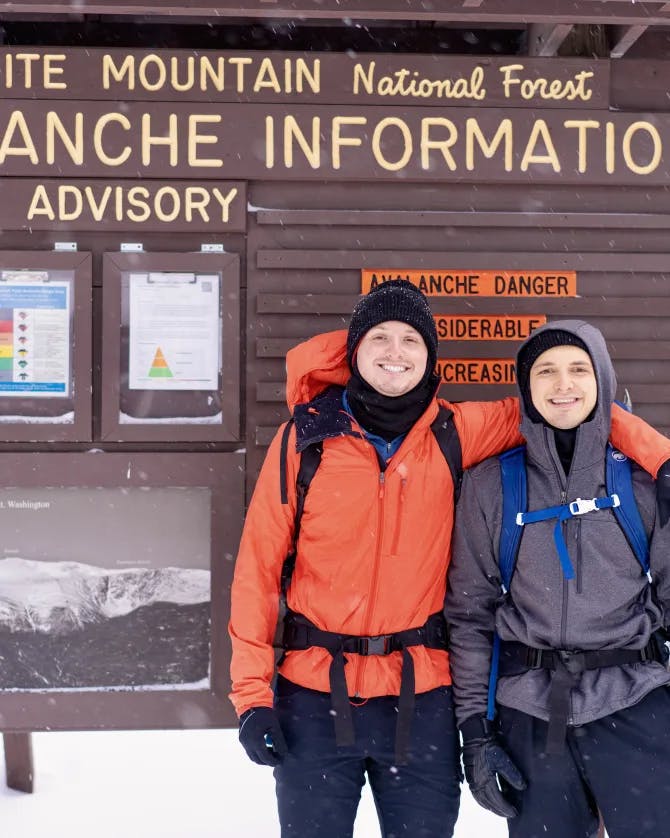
(608, 605)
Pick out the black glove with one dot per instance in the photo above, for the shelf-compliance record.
(484, 760)
(261, 736)
(663, 493)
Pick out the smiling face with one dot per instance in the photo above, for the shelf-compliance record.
(392, 358)
(563, 386)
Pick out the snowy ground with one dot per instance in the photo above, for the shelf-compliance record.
(155, 784)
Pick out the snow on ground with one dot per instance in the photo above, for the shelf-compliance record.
(165, 784)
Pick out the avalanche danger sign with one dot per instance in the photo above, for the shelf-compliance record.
(464, 283)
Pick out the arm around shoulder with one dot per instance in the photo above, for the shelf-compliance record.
(487, 428)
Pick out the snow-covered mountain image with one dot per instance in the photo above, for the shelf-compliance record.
(61, 596)
(70, 624)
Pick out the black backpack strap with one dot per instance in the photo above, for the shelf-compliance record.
(309, 462)
(446, 434)
(565, 667)
(301, 633)
(283, 452)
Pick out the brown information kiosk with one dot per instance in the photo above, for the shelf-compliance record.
(188, 192)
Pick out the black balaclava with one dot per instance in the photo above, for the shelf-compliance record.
(391, 416)
(547, 339)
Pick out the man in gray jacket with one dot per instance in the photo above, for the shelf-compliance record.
(583, 706)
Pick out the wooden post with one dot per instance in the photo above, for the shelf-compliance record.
(19, 761)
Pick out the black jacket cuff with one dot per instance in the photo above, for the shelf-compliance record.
(476, 727)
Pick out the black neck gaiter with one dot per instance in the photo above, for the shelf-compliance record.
(388, 416)
(565, 445)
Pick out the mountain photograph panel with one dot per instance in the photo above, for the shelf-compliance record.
(105, 588)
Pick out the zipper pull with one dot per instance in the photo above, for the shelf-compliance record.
(382, 482)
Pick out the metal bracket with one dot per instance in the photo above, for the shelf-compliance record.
(67, 246)
(131, 247)
(211, 248)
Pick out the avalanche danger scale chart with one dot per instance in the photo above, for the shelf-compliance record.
(34, 334)
(174, 331)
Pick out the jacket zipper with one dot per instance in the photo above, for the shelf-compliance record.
(375, 576)
(565, 589)
(564, 528)
(399, 517)
(578, 540)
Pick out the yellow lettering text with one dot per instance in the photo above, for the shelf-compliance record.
(40, 204)
(540, 134)
(442, 145)
(338, 141)
(195, 139)
(17, 123)
(100, 126)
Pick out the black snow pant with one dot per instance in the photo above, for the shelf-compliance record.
(619, 764)
(319, 784)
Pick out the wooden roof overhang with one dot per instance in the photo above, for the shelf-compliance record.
(466, 12)
(548, 25)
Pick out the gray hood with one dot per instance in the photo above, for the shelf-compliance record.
(591, 435)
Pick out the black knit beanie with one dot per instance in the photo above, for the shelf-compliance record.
(399, 300)
(531, 351)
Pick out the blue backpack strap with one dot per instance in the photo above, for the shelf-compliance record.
(515, 501)
(620, 482)
(493, 678)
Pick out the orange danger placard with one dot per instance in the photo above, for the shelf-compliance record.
(476, 371)
(479, 283)
(486, 326)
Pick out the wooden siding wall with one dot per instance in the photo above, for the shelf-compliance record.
(307, 245)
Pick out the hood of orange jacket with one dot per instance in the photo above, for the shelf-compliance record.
(314, 365)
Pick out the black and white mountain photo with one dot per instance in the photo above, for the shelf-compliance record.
(105, 589)
(67, 624)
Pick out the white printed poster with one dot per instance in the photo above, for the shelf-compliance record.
(174, 331)
(35, 335)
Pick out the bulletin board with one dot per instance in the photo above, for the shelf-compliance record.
(45, 346)
(170, 357)
(115, 576)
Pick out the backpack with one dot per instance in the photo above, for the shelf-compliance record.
(447, 438)
(620, 498)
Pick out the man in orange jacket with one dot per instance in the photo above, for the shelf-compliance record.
(364, 686)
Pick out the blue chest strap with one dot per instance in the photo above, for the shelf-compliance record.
(620, 499)
(562, 513)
